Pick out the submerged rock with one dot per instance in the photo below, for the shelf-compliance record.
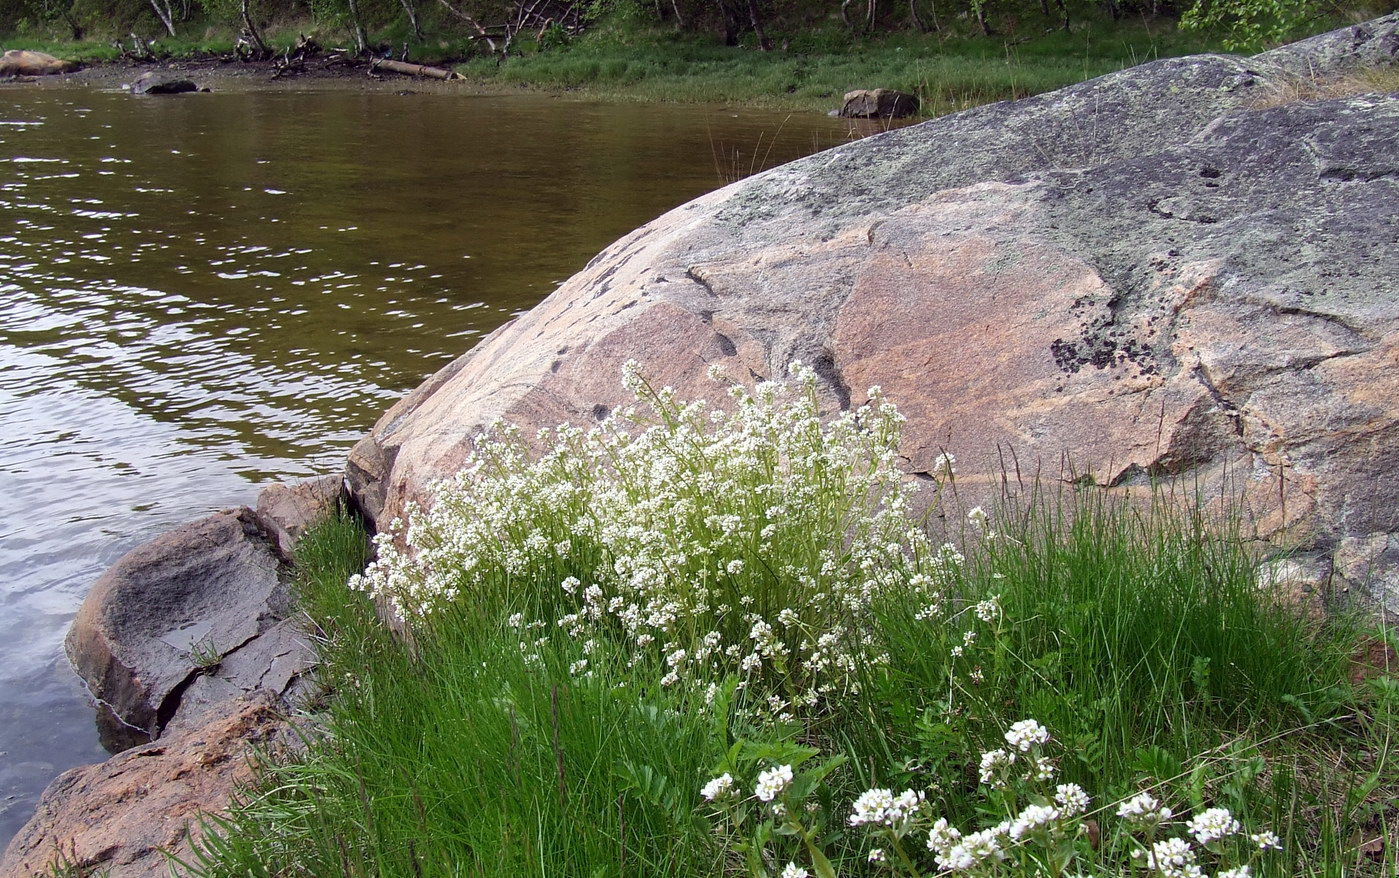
(1139, 276)
(22, 62)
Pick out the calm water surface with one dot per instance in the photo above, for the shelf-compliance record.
(203, 294)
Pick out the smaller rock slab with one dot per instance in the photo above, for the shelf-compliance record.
(293, 507)
(117, 817)
(878, 103)
(182, 607)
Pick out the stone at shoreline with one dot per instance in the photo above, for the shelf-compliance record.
(186, 639)
(22, 62)
(1141, 275)
(161, 632)
(152, 83)
(116, 817)
(879, 103)
(291, 508)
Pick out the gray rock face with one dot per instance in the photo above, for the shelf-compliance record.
(1142, 275)
(186, 621)
(1372, 44)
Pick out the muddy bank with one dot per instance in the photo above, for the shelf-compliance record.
(228, 75)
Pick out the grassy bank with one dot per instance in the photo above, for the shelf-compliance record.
(815, 70)
(811, 73)
(698, 645)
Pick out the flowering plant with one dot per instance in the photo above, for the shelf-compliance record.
(750, 542)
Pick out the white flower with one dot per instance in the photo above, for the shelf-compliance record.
(993, 764)
(881, 806)
(1072, 798)
(1266, 841)
(989, 609)
(772, 782)
(943, 836)
(972, 850)
(734, 567)
(1143, 810)
(792, 870)
(877, 856)
(1212, 825)
(1026, 734)
(978, 517)
(1173, 858)
(718, 788)
(1240, 872)
(515, 620)
(1032, 818)
(944, 466)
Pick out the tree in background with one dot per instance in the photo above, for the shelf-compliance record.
(1251, 24)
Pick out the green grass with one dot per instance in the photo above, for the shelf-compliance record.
(815, 71)
(508, 729)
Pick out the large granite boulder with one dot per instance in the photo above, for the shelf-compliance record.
(120, 818)
(22, 62)
(1142, 275)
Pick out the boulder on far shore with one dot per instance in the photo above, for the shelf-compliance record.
(22, 62)
(153, 83)
(879, 103)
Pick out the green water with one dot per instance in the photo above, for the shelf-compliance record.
(206, 293)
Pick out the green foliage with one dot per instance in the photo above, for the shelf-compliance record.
(1253, 24)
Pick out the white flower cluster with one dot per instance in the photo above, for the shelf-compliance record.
(772, 782)
(882, 808)
(1040, 822)
(1144, 811)
(720, 787)
(667, 527)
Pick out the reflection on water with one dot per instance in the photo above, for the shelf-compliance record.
(205, 293)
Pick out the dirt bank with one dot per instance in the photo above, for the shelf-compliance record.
(226, 75)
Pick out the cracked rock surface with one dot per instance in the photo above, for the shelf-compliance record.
(1152, 273)
(191, 619)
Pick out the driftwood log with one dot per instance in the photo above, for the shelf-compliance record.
(408, 69)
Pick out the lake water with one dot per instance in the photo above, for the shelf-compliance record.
(203, 294)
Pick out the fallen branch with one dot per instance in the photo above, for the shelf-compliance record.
(411, 69)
